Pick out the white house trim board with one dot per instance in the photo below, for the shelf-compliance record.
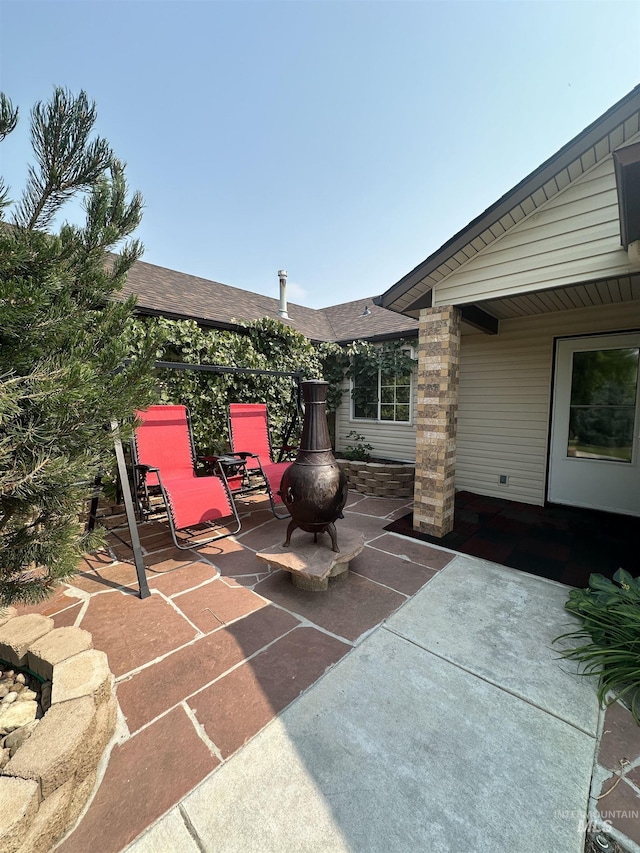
(574, 238)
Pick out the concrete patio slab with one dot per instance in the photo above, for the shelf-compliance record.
(499, 624)
(398, 749)
(169, 836)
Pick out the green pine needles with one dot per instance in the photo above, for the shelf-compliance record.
(62, 342)
(609, 639)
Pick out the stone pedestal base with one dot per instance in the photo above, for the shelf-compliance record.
(310, 563)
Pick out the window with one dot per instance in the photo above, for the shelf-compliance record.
(382, 394)
(603, 404)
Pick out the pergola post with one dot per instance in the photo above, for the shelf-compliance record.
(131, 516)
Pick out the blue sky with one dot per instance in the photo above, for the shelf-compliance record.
(342, 141)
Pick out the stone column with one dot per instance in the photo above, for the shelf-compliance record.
(436, 419)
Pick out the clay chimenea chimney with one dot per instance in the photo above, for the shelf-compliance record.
(282, 310)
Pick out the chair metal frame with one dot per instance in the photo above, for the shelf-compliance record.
(256, 477)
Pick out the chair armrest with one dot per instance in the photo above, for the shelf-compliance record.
(207, 463)
(145, 469)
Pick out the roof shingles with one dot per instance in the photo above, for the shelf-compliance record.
(174, 294)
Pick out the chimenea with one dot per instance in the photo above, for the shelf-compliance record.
(314, 488)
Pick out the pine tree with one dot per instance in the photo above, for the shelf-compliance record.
(62, 342)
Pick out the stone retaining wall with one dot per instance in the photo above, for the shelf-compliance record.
(381, 479)
(50, 776)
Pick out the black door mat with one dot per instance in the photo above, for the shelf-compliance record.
(564, 544)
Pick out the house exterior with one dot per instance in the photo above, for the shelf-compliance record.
(530, 336)
(390, 429)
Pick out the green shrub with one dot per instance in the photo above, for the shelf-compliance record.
(609, 639)
(261, 344)
(357, 449)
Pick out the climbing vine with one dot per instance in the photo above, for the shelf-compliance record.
(362, 361)
(263, 344)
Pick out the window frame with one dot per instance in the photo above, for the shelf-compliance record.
(410, 350)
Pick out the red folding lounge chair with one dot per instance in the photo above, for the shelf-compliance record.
(164, 459)
(249, 433)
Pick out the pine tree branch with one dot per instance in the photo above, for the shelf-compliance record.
(8, 122)
(8, 116)
(67, 161)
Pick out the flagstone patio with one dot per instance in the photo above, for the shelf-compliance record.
(221, 647)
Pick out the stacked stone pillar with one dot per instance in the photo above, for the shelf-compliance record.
(436, 420)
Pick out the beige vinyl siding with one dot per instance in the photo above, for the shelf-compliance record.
(390, 440)
(573, 238)
(505, 398)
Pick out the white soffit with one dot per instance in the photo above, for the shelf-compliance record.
(593, 293)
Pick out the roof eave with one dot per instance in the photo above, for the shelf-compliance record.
(602, 126)
(386, 336)
(174, 315)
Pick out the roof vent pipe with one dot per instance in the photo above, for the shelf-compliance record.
(282, 310)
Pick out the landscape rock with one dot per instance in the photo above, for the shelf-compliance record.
(19, 800)
(105, 726)
(82, 789)
(48, 761)
(7, 613)
(56, 646)
(19, 633)
(14, 741)
(27, 694)
(58, 748)
(16, 715)
(51, 821)
(85, 674)
(45, 695)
